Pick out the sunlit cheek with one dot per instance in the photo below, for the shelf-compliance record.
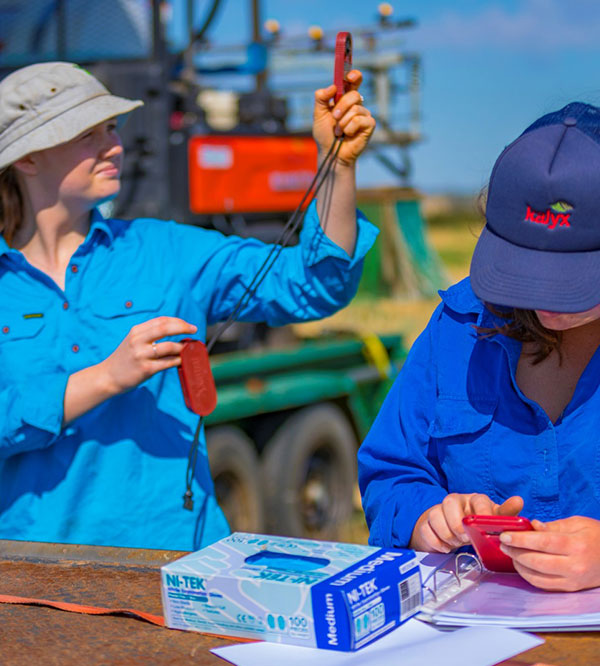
(550, 324)
(580, 318)
(573, 322)
(594, 313)
(564, 321)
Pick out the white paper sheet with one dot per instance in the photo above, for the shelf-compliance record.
(411, 644)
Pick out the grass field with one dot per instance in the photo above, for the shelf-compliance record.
(453, 236)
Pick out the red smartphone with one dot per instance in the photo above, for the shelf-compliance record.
(484, 532)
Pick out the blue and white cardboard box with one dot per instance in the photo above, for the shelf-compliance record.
(314, 593)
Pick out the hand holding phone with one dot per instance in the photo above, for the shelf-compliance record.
(484, 532)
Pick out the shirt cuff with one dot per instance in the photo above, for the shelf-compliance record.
(395, 530)
(318, 246)
(423, 497)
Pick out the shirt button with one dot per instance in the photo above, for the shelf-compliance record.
(5, 329)
(65, 306)
(128, 304)
(74, 268)
(75, 348)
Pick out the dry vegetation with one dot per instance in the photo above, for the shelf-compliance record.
(452, 234)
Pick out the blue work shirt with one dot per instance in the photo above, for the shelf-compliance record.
(455, 421)
(116, 475)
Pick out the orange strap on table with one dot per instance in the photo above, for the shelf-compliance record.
(88, 610)
(158, 620)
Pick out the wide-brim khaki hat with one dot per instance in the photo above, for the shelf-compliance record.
(44, 105)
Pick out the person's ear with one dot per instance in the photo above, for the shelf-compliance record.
(26, 165)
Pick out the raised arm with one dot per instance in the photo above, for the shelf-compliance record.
(348, 118)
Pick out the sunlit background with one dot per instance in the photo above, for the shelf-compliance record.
(490, 68)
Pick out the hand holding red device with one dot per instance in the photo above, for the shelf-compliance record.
(484, 532)
(343, 63)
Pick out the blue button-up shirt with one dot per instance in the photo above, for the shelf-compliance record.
(116, 475)
(455, 421)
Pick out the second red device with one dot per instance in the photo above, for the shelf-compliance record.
(485, 531)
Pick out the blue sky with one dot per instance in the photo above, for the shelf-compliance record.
(490, 68)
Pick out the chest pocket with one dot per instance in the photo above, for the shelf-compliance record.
(15, 327)
(116, 313)
(149, 302)
(23, 347)
(459, 432)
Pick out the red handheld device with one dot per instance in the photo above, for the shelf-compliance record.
(484, 532)
(343, 63)
(195, 375)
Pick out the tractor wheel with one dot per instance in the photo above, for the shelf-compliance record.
(309, 472)
(237, 478)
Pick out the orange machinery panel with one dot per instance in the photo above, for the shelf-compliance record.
(249, 174)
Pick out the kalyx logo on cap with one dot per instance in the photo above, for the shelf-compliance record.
(543, 217)
(554, 216)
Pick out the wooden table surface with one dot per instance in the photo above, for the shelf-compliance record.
(117, 578)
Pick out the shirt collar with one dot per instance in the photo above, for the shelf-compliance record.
(461, 299)
(97, 221)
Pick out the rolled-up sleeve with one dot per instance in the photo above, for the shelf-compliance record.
(32, 413)
(308, 281)
(399, 476)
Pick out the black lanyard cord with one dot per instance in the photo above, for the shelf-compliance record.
(188, 497)
(284, 238)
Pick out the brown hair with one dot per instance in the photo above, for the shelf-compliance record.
(11, 203)
(523, 325)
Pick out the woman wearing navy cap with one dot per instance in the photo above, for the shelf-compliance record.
(497, 408)
(94, 434)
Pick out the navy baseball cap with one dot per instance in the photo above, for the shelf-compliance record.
(540, 247)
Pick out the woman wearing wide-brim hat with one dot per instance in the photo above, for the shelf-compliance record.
(95, 434)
